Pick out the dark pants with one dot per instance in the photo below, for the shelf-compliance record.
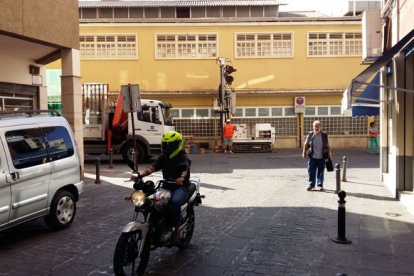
(179, 195)
(316, 168)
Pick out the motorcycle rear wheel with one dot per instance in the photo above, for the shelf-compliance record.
(126, 259)
(189, 230)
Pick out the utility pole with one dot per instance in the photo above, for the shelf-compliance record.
(225, 79)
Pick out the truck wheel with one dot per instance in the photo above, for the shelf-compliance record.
(267, 148)
(128, 152)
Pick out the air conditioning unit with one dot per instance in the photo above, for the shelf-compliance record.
(371, 36)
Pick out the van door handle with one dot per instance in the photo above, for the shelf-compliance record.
(14, 176)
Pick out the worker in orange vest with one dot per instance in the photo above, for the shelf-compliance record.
(228, 132)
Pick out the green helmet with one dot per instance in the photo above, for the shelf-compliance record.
(171, 143)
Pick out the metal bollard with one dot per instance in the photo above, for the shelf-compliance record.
(98, 165)
(338, 177)
(341, 220)
(344, 160)
(110, 153)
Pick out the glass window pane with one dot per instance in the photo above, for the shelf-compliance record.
(335, 110)
(243, 12)
(322, 110)
(88, 13)
(250, 112)
(256, 11)
(289, 111)
(167, 12)
(59, 143)
(27, 147)
(198, 12)
(105, 13)
(264, 111)
(310, 111)
(271, 11)
(183, 12)
(239, 112)
(213, 11)
(277, 111)
(202, 113)
(151, 12)
(229, 12)
(175, 113)
(136, 13)
(121, 13)
(187, 113)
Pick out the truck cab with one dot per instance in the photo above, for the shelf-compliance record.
(107, 127)
(150, 125)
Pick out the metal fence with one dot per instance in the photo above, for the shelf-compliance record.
(334, 125)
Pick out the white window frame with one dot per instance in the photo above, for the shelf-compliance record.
(108, 50)
(267, 107)
(325, 47)
(325, 115)
(180, 113)
(254, 46)
(191, 48)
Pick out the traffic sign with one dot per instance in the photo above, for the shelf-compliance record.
(299, 104)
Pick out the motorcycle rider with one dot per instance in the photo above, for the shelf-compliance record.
(174, 164)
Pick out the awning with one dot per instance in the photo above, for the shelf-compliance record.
(367, 103)
(367, 74)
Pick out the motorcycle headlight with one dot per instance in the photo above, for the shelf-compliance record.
(138, 198)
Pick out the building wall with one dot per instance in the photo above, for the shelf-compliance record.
(34, 33)
(397, 164)
(297, 73)
(60, 17)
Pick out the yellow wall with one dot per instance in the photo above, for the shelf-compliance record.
(299, 72)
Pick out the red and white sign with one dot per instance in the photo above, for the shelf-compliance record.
(299, 104)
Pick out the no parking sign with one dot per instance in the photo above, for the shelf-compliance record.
(299, 104)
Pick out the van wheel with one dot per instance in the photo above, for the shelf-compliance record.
(62, 211)
(128, 153)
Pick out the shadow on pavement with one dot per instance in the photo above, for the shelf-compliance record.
(227, 241)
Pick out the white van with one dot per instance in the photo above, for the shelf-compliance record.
(40, 170)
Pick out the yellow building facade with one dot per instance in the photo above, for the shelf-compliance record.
(277, 56)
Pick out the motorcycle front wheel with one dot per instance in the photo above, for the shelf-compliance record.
(126, 259)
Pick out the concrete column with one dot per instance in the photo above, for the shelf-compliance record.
(43, 91)
(409, 124)
(384, 124)
(398, 128)
(72, 94)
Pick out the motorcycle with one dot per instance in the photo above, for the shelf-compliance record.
(140, 237)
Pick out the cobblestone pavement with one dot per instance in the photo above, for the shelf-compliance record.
(257, 219)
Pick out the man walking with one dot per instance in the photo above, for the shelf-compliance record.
(317, 149)
(228, 132)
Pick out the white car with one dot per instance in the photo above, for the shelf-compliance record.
(40, 170)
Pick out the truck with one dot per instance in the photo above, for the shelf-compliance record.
(252, 137)
(106, 127)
